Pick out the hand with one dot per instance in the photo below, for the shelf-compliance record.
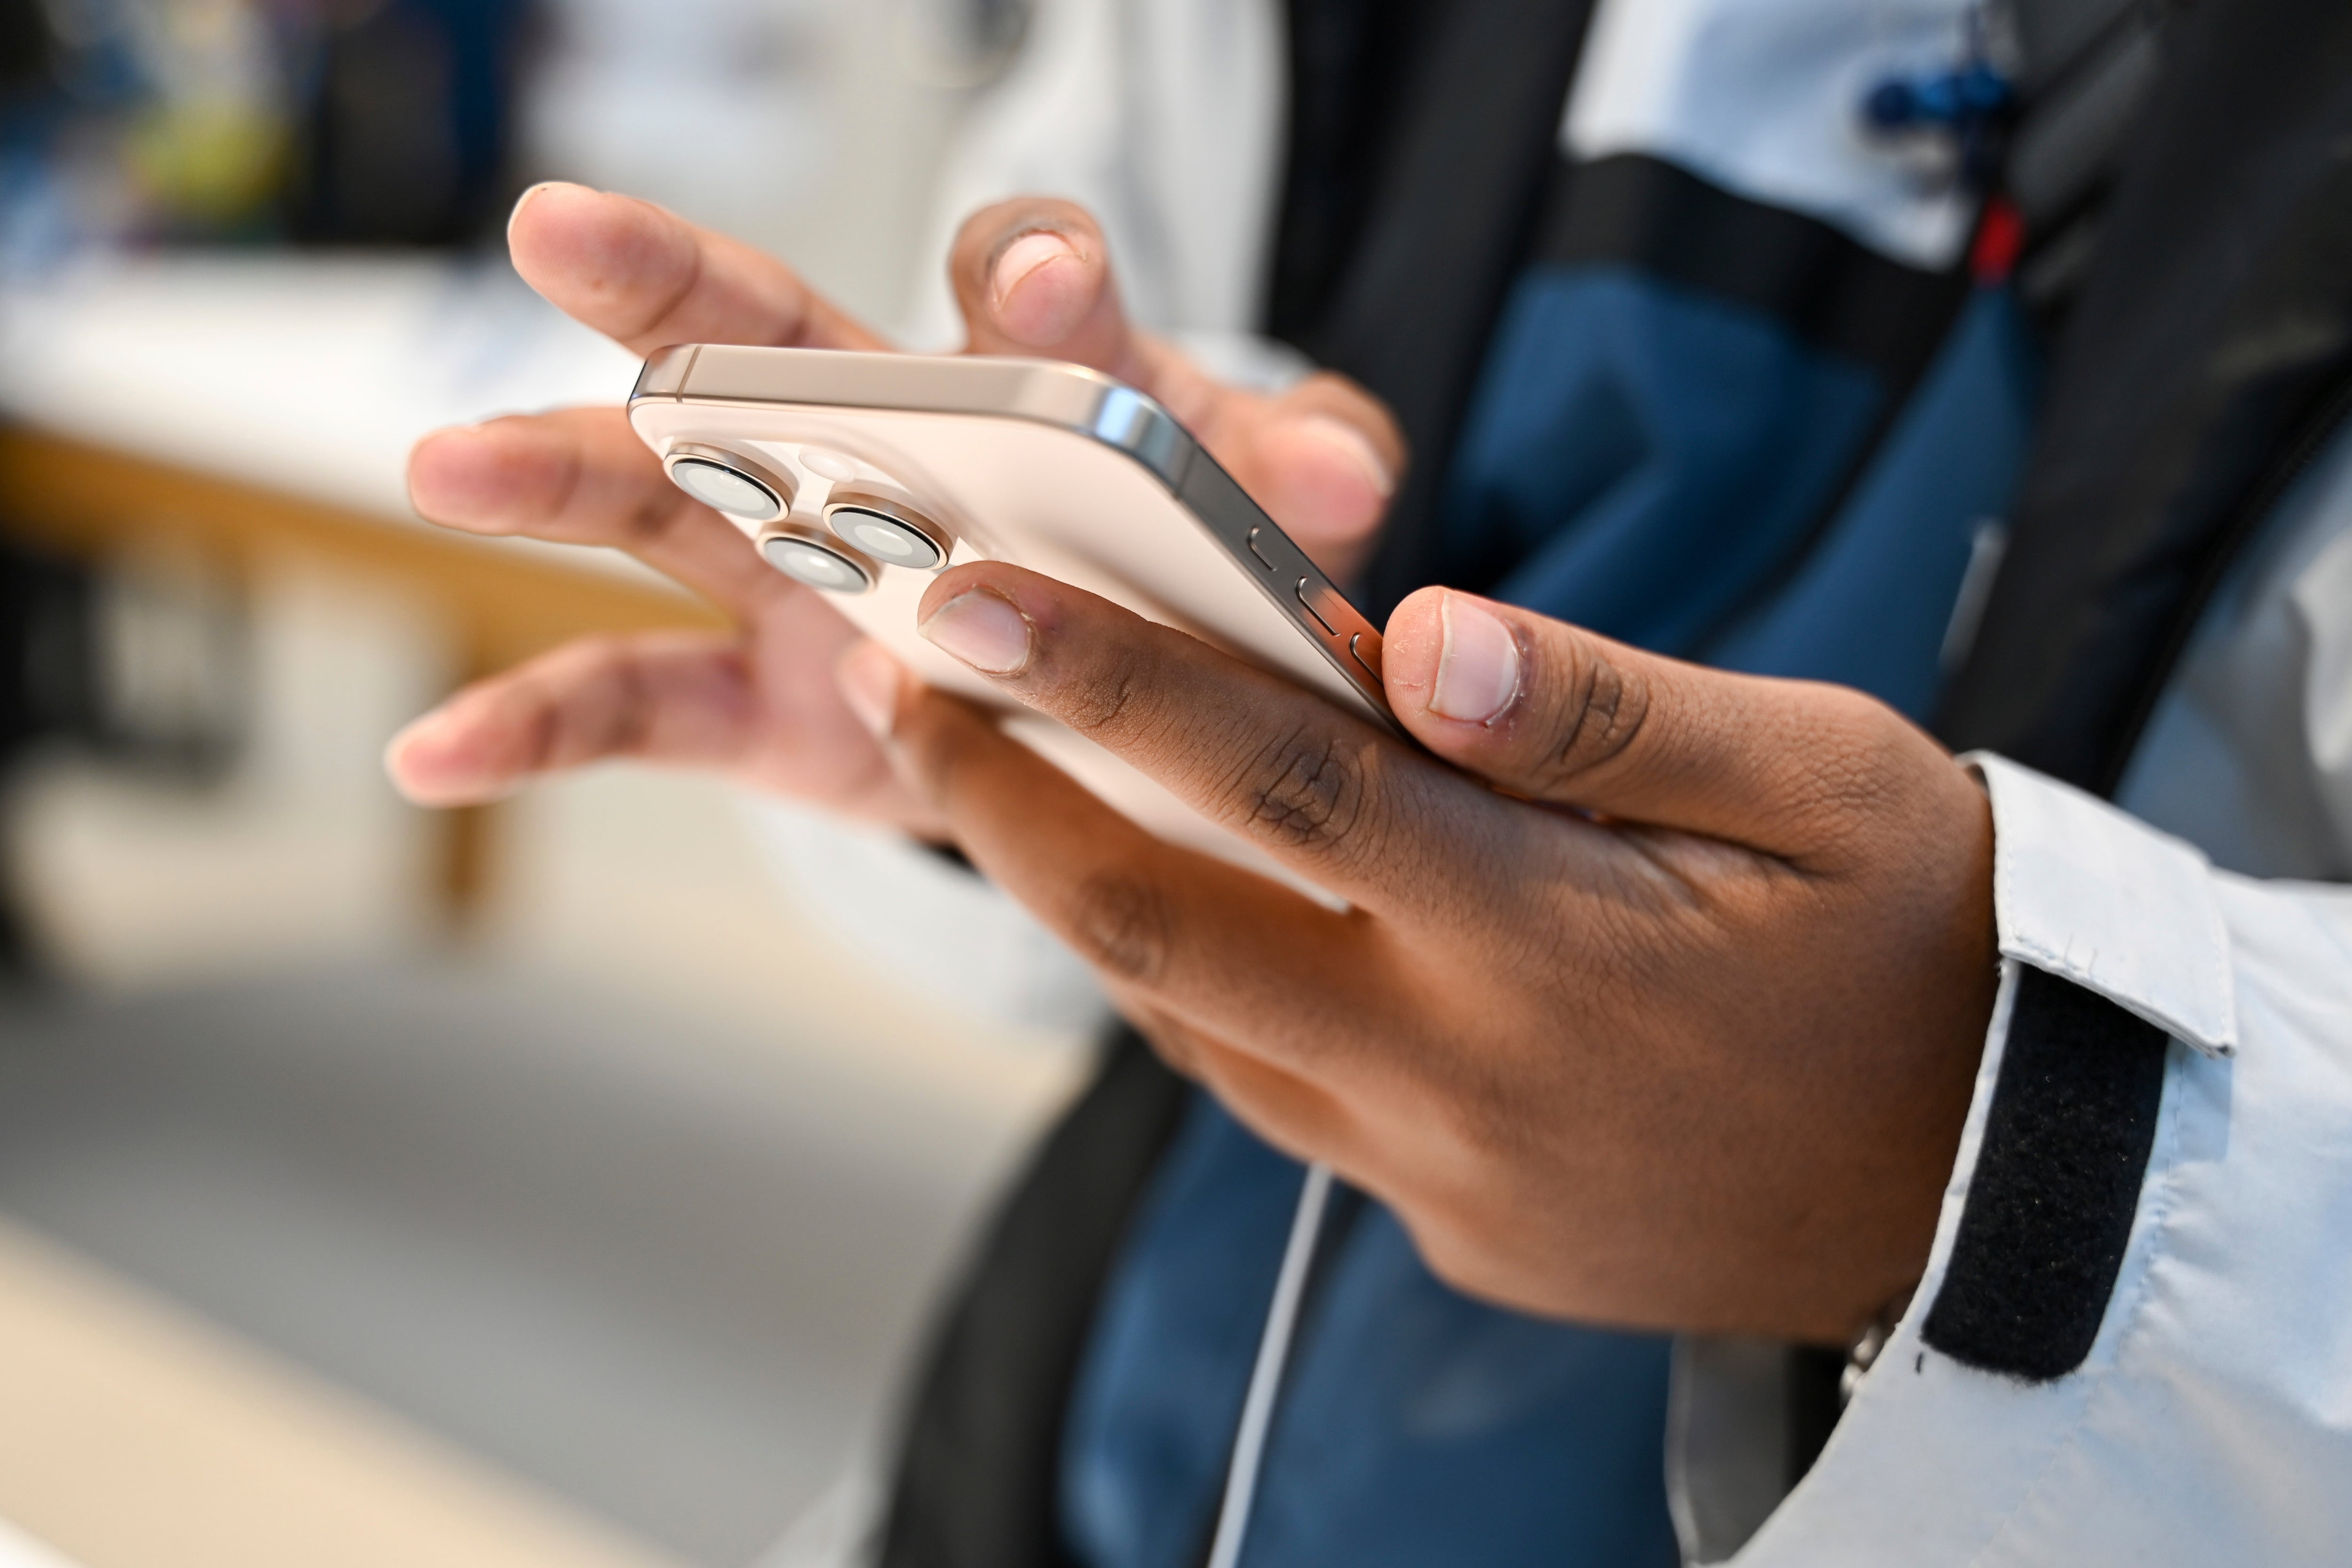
(1660, 1006)
(1032, 278)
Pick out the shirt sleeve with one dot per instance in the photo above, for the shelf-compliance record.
(2134, 1339)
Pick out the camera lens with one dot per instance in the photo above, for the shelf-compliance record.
(728, 488)
(888, 529)
(885, 537)
(818, 564)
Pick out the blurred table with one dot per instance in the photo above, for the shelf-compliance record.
(136, 1439)
(258, 406)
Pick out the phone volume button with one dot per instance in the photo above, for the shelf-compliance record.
(1308, 606)
(1254, 550)
(1366, 649)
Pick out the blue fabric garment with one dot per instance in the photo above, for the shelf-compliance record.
(1144, 1450)
(1653, 463)
(1639, 457)
(1870, 602)
(1455, 1410)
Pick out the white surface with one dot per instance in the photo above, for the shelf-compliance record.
(311, 375)
(1764, 98)
(18, 1550)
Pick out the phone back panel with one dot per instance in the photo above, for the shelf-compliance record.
(1051, 467)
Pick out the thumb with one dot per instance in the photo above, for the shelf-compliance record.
(1555, 713)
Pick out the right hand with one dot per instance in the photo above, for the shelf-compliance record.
(760, 703)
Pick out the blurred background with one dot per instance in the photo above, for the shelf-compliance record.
(561, 1181)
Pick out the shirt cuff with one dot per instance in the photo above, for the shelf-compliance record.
(2090, 894)
(2114, 945)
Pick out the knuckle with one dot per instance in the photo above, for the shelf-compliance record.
(1102, 702)
(933, 742)
(1599, 715)
(653, 517)
(629, 725)
(668, 295)
(612, 714)
(537, 738)
(1307, 791)
(558, 476)
(1862, 755)
(1122, 924)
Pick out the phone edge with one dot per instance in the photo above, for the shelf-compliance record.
(1069, 398)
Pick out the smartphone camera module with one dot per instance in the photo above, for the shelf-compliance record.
(819, 563)
(732, 484)
(889, 531)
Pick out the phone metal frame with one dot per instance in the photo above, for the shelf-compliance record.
(1069, 398)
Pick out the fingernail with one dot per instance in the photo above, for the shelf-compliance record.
(1025, 256)
(523, 201)
(1477, 663)
(869, 679)
(414, 742)
(983, 629)
(430, 765)
(1345, 437)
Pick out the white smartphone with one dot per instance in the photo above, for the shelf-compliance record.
(862, 475)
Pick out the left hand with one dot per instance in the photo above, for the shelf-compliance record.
(1660, 1007)
(1033, 277)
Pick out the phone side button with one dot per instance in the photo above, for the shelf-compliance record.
(1366, 649)
(1309, 605)
(1254, 550)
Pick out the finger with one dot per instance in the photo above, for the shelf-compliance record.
(1555, 713)
(677, 697)
(1324, 793)
(580, 476)
(685, 698)
(1034, 277)
(1323, 459)
(1227, 953)
(648, 279)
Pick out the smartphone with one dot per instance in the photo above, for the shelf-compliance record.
(863, 475)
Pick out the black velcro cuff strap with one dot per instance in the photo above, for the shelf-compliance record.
(2057, 1181)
